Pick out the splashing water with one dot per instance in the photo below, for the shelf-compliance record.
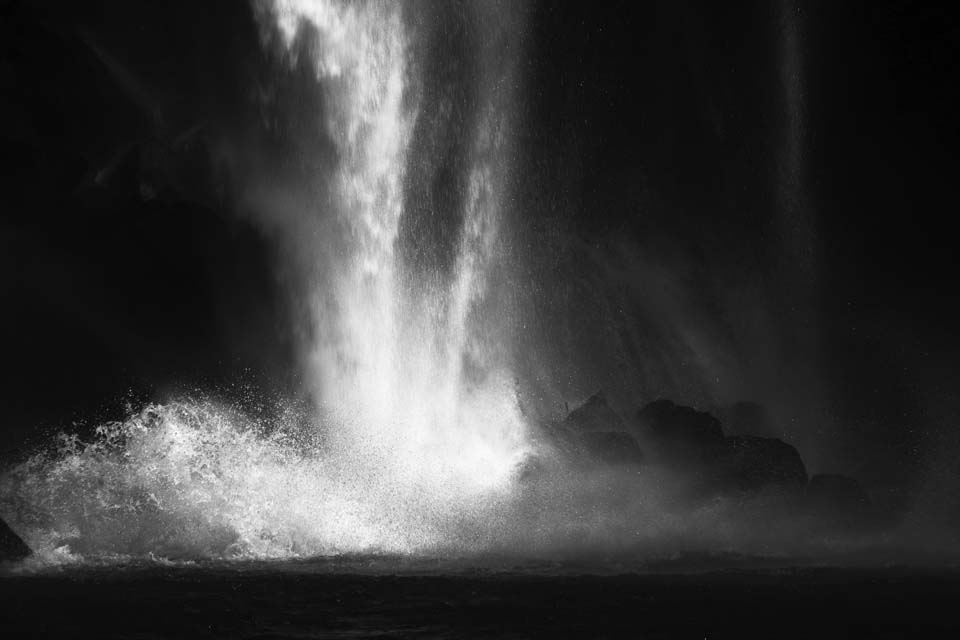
(416, 443)
(196, 480)
(419, 454)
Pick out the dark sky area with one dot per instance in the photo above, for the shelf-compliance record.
(662, 127)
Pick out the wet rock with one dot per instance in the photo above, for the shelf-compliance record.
(612, 447)
(680, 435)
(11, 546)
(594, 432)
(595, 415)
(530, 470)
(838, 492)
(748, 418)
(753, 462)
(840, 502)
(694, 442)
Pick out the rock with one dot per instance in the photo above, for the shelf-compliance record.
(595, 415)
(594, 432)
(748, 418)
(752, 462)
(612, 447)
(834, 491)
(680, 435)
(694, 442)
(11, 546)
(840, 501)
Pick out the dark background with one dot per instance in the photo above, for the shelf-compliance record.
(127, 274)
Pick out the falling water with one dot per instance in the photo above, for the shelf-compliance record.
(421, 437)
(389, 362)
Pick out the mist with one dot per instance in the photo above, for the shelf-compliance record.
(457, 224)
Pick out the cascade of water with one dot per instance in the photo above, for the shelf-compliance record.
(423, 436)
(360, 60)
(392, 378)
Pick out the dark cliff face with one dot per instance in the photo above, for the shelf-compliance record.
(126, 272)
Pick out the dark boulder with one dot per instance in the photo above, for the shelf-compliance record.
(694, 442)
(748, 418)
(834, 491)
(595, 415)
(612, 447)
(752, 462)
(594, 432)
(840, 501)
(11, 546)
(680, 435)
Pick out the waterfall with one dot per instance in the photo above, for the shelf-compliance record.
(416, 440)
(392, 342)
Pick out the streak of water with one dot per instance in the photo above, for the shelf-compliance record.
(389, 362)
(416, 447)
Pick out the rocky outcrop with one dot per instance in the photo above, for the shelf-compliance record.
(12, 548)
(694, 441)
(751, 462)
(841, 502)
(682, 436)
(694, 444)
(836, 492)
(595, 433)
(595, 415)
(612, 447)
(748, 418)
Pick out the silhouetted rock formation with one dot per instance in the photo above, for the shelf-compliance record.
(841, 501)
(694, 441)
(11, 546)
(748, 418)
(764, 472)
(595, 415)
(752, 462)
(837, 492)
(594, 432)
(681, 435)
(612, 447)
